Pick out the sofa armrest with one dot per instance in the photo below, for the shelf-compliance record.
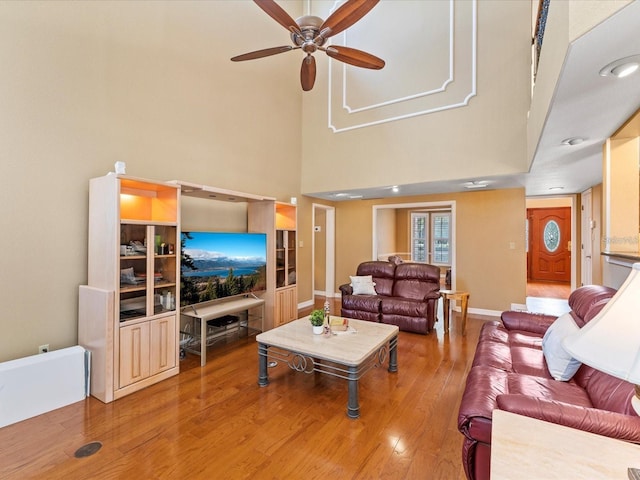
(601, 422)
(346, 289)
(527, 321)
(434, 295)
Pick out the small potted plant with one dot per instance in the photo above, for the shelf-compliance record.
(317, 320)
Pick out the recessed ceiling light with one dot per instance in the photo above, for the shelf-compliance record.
(572, 141)
(395, 189)
(556, 188)
(341, 194)
(476, 184)
(622, 67)
(354, 197)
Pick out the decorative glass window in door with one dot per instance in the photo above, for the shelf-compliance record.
(551, 236)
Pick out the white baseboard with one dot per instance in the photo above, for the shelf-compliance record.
(307, 304)
(482, 311)
(322, 293)
(519, 307)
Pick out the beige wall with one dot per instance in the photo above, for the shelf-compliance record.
(486, 137)
(386, 233)
(86, 84)
(403, 231)
(551, 202)
(494, 274)
(622, 194)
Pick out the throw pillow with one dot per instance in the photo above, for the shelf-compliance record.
(363, 285)
(560, 363)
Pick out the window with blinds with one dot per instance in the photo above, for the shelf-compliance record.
(441, 227)
(431, 237)
(419, 237)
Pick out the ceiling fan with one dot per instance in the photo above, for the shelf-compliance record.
(309, 33)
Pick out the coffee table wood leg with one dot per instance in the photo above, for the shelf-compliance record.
(203, 342)
(393, 355)
(353, 405)
(263, 375)
(465, 304)
(445, 308)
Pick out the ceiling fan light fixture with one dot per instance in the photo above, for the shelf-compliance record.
(622, 67)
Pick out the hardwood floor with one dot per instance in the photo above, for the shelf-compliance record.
(215, 422)
(548, 290)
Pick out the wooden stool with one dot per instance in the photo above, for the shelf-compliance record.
(447, 296)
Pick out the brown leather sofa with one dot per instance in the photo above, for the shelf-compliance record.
(406, 295)
(509, 372)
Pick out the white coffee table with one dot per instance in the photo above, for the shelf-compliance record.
(344, 355)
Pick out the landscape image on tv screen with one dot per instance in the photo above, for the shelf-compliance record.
(221, 264)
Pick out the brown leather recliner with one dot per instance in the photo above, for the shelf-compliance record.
(406, 295)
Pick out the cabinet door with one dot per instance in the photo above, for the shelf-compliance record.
(286, 306)
(281, 251)
(162, 344)
(165, 275)
(134, 353)
(292, 303)
(133, 271)
(279, 313)
(291, 258)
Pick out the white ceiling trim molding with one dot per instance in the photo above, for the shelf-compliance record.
(359, 98)
(442, 88)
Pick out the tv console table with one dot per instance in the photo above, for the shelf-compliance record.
(203, 312)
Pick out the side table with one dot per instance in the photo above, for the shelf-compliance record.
(524, 447)
(447, 296)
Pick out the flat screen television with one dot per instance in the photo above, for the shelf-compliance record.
(221, 264)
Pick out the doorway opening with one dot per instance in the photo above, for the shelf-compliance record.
(422, 232)
(323, 251)
(551, 260)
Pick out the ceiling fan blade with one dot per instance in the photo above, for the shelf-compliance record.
(308, 73)
(355, 57)
(276, 12)
(345, 16)
(263, 53)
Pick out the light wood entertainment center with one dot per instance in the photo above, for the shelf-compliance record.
(129, 311)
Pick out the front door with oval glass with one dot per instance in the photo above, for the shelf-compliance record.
(549, 256)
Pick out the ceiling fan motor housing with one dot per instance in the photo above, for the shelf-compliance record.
(310, 28)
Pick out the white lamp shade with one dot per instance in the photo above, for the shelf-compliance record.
(610, 342)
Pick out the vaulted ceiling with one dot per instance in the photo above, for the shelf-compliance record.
(584, 105)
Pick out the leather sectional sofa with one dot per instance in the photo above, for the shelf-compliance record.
(509, 372)
(406, 295)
